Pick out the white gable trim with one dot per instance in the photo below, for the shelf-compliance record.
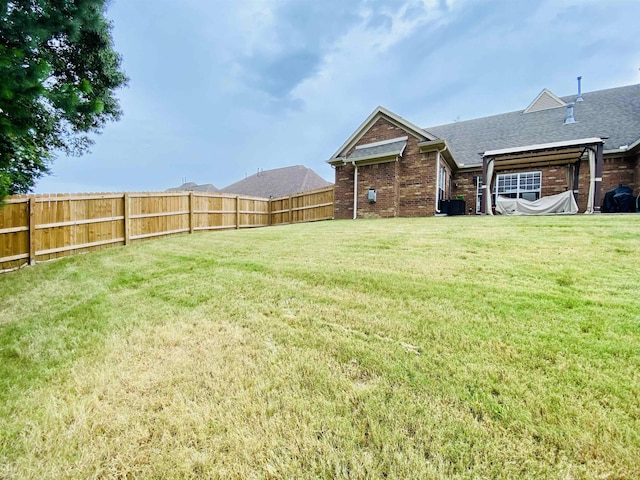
(554, 98)
(381, 112)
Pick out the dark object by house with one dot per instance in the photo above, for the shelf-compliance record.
(452, 207)
(618, 200)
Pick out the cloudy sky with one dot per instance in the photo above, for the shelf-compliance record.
(220, 88)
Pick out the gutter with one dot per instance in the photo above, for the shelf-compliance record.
(435, 145)
(355, 188)
(623, 149)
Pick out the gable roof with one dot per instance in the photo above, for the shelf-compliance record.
(545, 100)
(380, 112)
(612, 113)
(278, 182)
(193, 187)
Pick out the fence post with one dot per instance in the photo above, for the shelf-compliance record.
(290, 209)
(125, 209)
(237, 212)
(32, 231)
(269, 209)
(190, 212)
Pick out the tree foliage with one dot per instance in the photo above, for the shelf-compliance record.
(58, 74)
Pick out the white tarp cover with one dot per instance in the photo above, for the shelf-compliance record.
(560, 204)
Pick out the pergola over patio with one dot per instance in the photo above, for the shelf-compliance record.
(556, 153)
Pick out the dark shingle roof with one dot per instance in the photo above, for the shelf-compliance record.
(278, 182)
(375, 151)
(192, 187)
(613, 113)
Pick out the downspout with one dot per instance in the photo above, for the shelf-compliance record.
(438, 176)
(355, 190)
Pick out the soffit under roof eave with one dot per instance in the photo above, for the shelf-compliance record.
(388, 115)
(441, 146)
(336, 161)
(365, 160)
(469, 167)
(361, 162)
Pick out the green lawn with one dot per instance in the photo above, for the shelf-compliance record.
(470, 347)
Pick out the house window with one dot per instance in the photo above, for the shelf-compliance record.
(525, 185)
(442, 186)
(478, 181)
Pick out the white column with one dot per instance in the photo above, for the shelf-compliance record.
(487, 191)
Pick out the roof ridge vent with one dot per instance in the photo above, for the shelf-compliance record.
(570, 118)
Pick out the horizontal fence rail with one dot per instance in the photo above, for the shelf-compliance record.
(35, 228)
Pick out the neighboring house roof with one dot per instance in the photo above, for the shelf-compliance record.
(192, 187)
(278, 182)
(613, 113)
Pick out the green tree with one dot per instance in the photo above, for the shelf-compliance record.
(58, 74)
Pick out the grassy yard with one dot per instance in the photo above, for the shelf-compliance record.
(406, 348)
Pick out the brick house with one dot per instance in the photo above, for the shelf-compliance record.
(586, 143)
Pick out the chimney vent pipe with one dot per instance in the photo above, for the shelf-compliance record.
(570, 118)
(579, 99)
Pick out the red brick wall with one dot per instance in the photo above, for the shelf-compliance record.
(417, 178)
(407, 188)
(379, 131)
(404, 188)
(383, 178)
(616, 171)
(465, 185)
(555, 179)
(558, 178)
(343, 193)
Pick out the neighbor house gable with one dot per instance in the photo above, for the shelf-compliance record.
(379, 113)
(544, 101)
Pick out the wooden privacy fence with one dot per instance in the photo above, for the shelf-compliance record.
(35, 228)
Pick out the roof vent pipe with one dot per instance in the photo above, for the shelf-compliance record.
(579, 99)
(570, 118)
